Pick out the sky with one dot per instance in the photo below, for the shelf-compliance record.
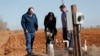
(11, 11)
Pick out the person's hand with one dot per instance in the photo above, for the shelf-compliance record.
(26, 31)
(47, 29)
(51, 34)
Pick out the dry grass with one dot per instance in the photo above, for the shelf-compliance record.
(93, 51)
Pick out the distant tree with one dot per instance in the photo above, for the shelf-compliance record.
(3, 25)
(91, 27)
(82, 27)
(98, 26)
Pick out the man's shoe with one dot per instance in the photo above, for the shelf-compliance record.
(29, 54)
(70, 49)
(33, 54)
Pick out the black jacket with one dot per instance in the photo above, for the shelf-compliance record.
(51, 25)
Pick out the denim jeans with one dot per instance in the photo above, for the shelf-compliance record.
(71, 40)
(68, 36)
(29, 41)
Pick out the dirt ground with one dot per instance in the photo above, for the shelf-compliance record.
(12, 43)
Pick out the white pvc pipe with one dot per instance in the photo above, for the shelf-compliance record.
(51, 50)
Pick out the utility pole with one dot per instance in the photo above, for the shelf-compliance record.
(77, 50)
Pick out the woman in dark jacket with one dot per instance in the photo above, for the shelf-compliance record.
(50, 25)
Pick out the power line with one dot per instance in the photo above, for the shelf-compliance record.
(62, 2)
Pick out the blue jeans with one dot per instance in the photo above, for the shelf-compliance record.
(29, 41)
(71, 40)
(68, 36)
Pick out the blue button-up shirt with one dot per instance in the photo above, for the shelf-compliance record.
(29, 23)
(64, 19)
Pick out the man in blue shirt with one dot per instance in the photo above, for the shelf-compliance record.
(29, 24)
